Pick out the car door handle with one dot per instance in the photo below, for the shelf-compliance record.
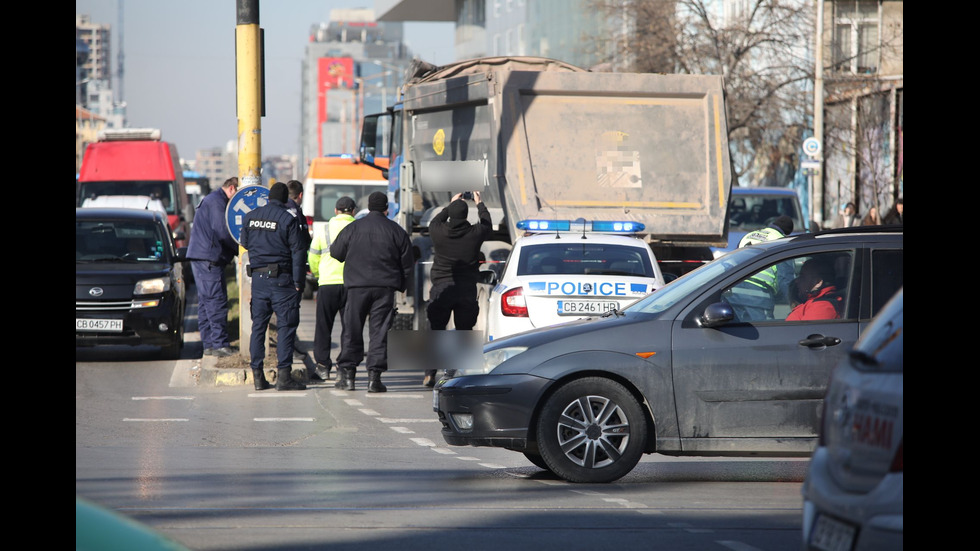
(817, 341)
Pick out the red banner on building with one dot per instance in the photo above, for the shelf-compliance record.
(332, 72)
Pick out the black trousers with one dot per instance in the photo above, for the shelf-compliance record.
(447, 299)
(330, 300)
(376, 304)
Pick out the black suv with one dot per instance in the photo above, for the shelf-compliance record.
(129, 288)
(730, 359)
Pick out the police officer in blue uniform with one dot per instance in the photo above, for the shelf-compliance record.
(277, 263)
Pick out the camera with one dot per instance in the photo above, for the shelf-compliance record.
(468, 195)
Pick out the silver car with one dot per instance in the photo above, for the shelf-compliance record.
(853, 496)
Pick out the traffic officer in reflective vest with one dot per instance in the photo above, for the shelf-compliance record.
(756, 296)
(277, 265)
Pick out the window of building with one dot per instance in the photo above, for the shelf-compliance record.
(856, 39)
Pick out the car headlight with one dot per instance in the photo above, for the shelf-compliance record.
(152, 286)
(491, 360)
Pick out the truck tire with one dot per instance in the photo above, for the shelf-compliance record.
(592, 430)
(402, 322)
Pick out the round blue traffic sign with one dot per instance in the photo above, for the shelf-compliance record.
(811, 146)
(244, 201)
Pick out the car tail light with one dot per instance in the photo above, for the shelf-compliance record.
(512, 303)
(898, 462)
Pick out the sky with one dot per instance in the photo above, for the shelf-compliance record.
(179, 64)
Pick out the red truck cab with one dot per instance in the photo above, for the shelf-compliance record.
(135, 161)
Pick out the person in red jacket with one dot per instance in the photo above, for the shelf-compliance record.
(815, 286)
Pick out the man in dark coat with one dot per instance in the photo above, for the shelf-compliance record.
(378, 260)
(455, 267)
(211, 248)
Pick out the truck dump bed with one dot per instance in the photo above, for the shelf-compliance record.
(543, 139)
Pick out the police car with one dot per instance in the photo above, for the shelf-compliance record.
(563, 270)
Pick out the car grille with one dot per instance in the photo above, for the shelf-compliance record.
(116, 305)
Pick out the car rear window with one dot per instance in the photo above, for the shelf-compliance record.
(585, 259)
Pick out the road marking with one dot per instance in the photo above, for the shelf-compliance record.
(276, 395)
(389, 420)
(403, 430)
(444, 451)
(551, 482)
(163, 397)
(353, 402)
(151, 420)
(424, 442)
(492, 466)
(589, 493)
(467, 458)
(273, 419)
(394, 396)
(625, 503)
(369, 412)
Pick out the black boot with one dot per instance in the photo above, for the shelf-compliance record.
(430, 378)
(345, 378)
(258, 377)
(374, 382)
(285, 381)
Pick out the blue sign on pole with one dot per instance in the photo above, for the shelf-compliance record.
(244, 201)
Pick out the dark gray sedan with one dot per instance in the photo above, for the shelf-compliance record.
(731, 359)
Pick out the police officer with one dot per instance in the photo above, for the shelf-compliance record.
(277, 260)
(455, 267)
(755, 297)
(330, 295)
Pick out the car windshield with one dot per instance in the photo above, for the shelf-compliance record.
(326, 195)
(692, 282)
(118, 241)
(750, 212)
(162, 190)
(588, 258)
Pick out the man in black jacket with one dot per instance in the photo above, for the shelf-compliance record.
(378, 260)
(455, 267)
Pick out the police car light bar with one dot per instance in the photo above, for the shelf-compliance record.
(601, 226)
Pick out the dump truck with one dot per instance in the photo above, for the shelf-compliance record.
(542, 139)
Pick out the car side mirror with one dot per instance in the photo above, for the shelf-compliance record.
(716, 314)
(488, 277)
(181, 254)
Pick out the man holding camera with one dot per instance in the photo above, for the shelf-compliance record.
(456, 266)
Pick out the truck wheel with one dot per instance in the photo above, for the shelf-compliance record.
(592, 430)
(402, 322)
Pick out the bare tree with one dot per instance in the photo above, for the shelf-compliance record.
(762, 50)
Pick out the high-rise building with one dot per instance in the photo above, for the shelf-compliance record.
(353, 66)
(97, 64)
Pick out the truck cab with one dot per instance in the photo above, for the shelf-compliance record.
(135, 161)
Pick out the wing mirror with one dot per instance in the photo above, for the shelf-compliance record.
(716, 314)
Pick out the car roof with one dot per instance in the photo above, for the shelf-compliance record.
(595, 237)
(890, 232)
(760, 190)
(116, 213)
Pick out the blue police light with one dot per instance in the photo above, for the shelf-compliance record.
(544, 225)
(614, 226)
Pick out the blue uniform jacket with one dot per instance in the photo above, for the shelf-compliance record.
(271, 234)
(210, 239)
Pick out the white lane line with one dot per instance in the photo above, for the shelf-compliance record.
(353, 402)
(131, 420)
(492, 466)
(339, 392)
(276, 395)
(624, 502)
(163, 397)
(444, 451)
(737, 545)
(467, 458)
(388, 420)
(589, 493)
(369, 412)
(403, 430)
(274, 419)
(395, 396)
(424, 442)
(551, 482)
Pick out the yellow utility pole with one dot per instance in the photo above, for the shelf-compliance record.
(248, 75)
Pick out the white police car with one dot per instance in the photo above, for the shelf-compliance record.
(563, 270)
